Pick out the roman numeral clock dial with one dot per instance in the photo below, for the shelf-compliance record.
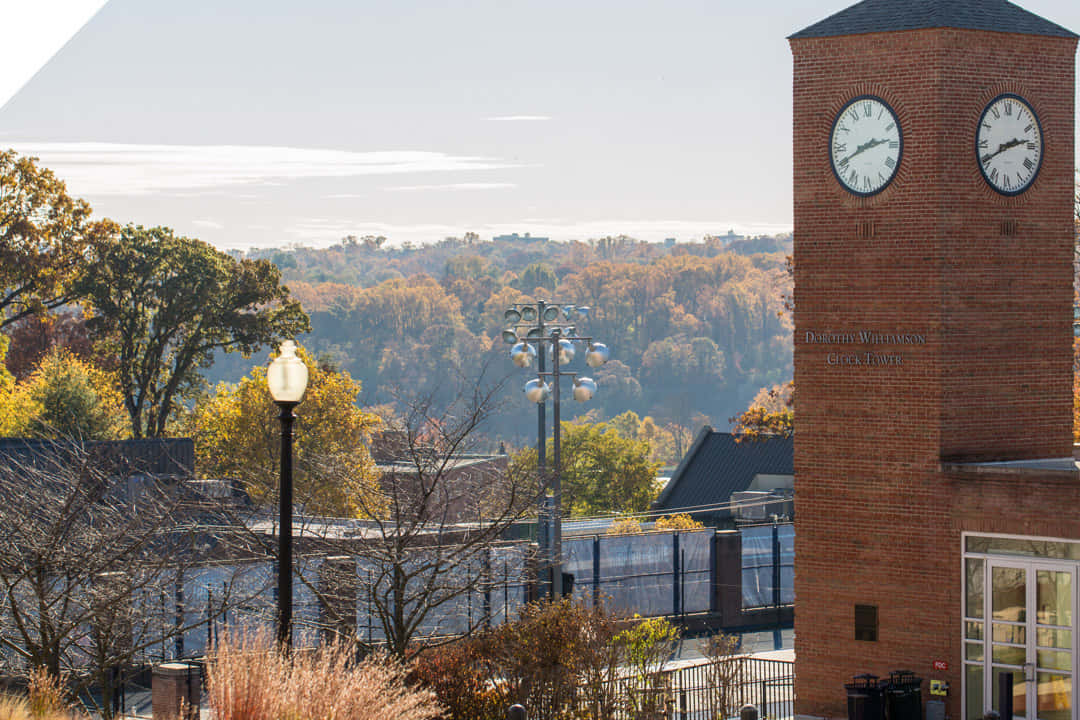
(1008, 144)
(867, 144)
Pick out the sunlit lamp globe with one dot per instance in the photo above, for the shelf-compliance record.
(583, 311)
(568, 312)
(537, 391)
(584, 389)
(509, 337)
(287, 376)
(551, 314)
(522, 354)
(566, 352)
(597, 355)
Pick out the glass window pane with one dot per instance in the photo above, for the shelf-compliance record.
(1009, 594)
(974, 588)
(1016, 634)
(973, 630)
(1053, 597)
(1055, 696)
(1053, 638)
(973, 686)
(1024, 547)
(1053, 660)
(973, 651)
(1009, 655)
(1019, 691)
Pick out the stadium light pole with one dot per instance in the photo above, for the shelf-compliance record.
(548, 330)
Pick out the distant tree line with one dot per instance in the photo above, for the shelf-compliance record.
(695, 329)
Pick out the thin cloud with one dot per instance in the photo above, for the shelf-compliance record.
(123, 169)
(453, 186)
(520, 118)
(212, 224)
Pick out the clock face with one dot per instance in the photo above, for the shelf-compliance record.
(866, 145)
(1009, 144)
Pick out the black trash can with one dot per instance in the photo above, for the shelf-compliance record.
(864, 701)
(903, 696)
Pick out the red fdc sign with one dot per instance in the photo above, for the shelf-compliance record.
(941, 665)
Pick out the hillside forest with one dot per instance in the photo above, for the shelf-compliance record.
(695, 329)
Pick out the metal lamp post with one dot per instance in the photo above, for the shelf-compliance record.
(545, 331)
(287, 378)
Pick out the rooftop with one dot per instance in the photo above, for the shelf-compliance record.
(717, 465)
(872, 16)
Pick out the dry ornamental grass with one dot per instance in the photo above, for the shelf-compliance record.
(249, 679)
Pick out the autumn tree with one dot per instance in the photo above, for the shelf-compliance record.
(43, 237)
(164, 304)
(16, 407)
(771, 414)
(237, 436)
(602, 471)
(71, 398)
(36, 335)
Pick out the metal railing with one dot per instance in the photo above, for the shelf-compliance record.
(717, 689)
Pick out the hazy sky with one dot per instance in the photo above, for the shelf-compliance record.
(266, 122)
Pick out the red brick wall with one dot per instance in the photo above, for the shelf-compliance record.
(877, 522)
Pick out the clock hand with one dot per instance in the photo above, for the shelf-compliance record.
(866, 146)
(1003, 147)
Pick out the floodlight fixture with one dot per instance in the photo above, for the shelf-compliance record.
(584, 389)
(537, 390)
(597, 355)
(523, 354)
(566, 352)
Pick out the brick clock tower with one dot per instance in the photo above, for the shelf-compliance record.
(937, 500)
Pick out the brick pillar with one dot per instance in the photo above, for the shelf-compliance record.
(174, 684)
(727, 576)
(338, 584)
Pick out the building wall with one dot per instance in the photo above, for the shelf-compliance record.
(878, 523)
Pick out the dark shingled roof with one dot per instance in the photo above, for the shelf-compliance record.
(161, 458)
(889, 15)
(716, 466)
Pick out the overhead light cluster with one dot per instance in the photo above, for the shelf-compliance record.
(547, 328)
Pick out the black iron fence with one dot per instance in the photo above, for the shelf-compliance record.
(716, 689)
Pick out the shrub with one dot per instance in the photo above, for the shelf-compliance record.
(681, 521)
(561, 660)
(248, 678)
(625, 526)
(459, 677)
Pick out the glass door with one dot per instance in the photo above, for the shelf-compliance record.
(1029, 628)
(1008, 633)
(1051, 654)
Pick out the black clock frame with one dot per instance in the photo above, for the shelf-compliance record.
(899, 154)
(1042, 145)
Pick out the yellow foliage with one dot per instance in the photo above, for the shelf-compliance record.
(682, 521)
(63, 397)
(237, 435)
(625, 526)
